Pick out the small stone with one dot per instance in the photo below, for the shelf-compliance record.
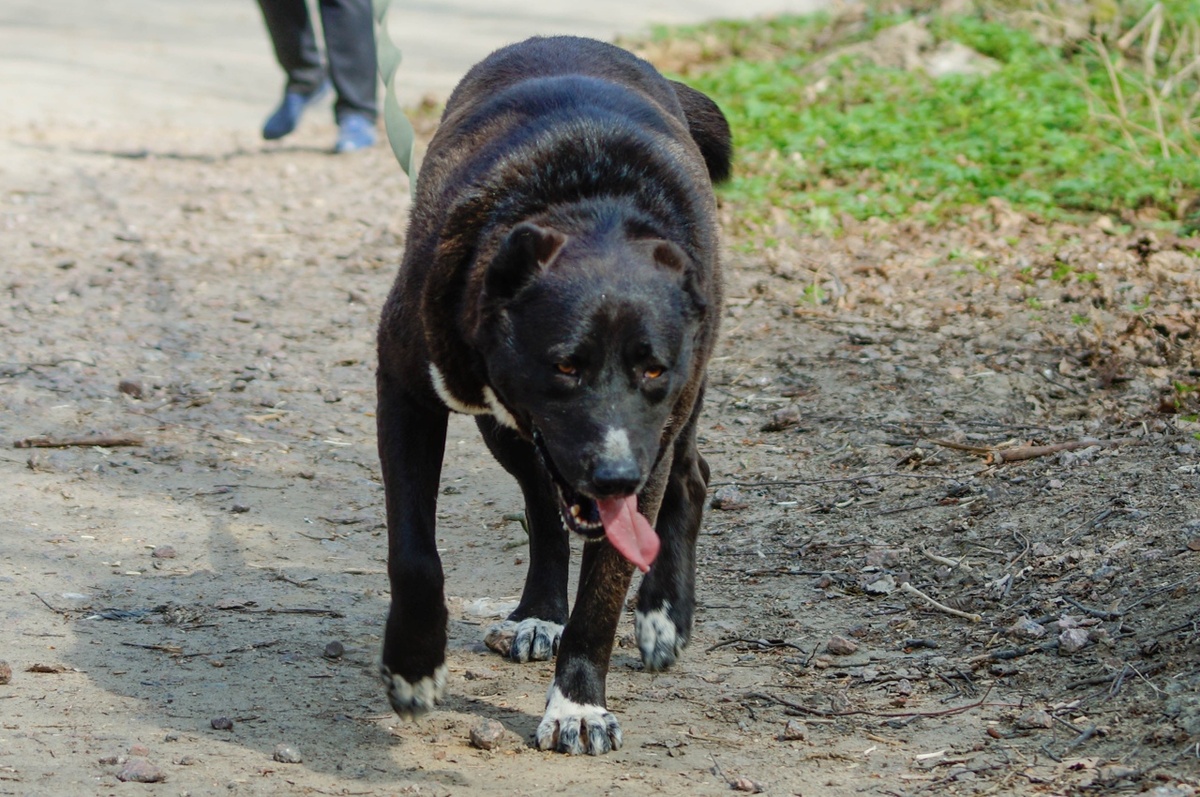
(747, 785)
(794, 731)
(163, 552)
(286, 754)
(131, 388)
(481, 674)
(883, 585)
(1034, 719)
(487, 735)
(1171, 790)
(334, 650)
(882, 557)
(1072, 640)
(222, 724)
(239, 509)
(139, 770)
(729, 498)
(499, 638)
(1026, 629)
(5, 672)
(782, 419)
(139, 750)
(840, 646)
(187, 761)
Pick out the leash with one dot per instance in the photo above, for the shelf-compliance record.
(399, 130)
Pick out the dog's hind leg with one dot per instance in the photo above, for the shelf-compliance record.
(667, 597)
(533, 630)
(412, 440)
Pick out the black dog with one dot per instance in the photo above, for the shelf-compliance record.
(560, 282)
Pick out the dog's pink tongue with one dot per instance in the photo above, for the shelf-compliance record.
(629, 531)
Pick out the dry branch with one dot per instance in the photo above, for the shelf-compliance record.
(910, 589)
(103, 441)
(997, 456)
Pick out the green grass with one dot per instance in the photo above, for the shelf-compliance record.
(1045, 131)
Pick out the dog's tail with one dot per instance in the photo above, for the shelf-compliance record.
(709, 129)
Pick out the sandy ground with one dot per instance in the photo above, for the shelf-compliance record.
(184, 606)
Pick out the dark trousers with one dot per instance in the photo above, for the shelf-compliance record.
(349, 48)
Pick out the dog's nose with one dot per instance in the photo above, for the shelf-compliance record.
(616, 478)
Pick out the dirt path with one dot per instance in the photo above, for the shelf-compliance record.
(216, 299)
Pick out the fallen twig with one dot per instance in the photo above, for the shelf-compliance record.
(761, 644)
(958, 564)
(1008, 654)
(61, 612)
(998, 456)
(173, 650)
(102, 441)
(1084, 735)
(910, 589)
(843, 479)
(1021, 453)
(1099, 614)
(321, 612)
(17, 369)
(884, 714)
(962, 446)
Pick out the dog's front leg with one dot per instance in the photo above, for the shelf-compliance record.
(412, 441)
(533, 630)
(667, 597)
(577, 719)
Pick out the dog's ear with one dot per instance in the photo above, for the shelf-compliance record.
(670, 256)
(527, 250)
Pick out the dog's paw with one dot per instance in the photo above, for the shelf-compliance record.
(530, 639)
(414, 699)
(658, 638)
(574, 729)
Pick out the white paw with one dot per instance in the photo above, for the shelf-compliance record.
(572, 728)
(530, 639)
(411, 700)
(657, 637)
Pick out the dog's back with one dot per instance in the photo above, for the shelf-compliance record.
(528, 85)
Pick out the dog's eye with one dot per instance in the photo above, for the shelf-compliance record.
(567, 369)
(653, 372)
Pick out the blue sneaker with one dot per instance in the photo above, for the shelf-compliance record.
(355, 132)
(288, 114)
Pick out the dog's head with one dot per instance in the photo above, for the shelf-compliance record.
(589, 340)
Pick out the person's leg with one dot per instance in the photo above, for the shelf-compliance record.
(295, 44)
(296, 50)
(350, 48)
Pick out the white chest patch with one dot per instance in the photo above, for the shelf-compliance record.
(492, 406)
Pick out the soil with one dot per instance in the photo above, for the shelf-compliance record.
(204, 605)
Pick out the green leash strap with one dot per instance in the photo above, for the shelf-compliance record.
(399, 130)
